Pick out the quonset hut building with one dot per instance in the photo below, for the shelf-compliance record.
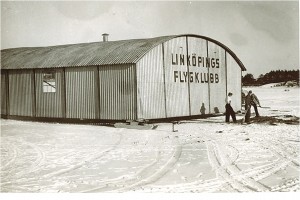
(156, 78)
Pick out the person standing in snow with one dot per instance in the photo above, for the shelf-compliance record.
(251, 100)
(248, 107)
(229, 109)
(254, 103)
(243, 98)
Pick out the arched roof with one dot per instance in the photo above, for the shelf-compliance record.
(88, 54)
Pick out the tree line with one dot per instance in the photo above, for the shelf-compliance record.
(271, 77)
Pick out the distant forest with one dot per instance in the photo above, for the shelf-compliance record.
(271, 77)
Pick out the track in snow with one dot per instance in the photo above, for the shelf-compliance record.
(225, 158)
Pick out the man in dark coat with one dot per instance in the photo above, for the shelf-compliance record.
(251, 100)
(255, 103)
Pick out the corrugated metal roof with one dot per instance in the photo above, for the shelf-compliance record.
(87, 54)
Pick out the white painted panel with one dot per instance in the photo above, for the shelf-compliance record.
(234, 81)
(150, 85)
(176, 73)
(199, 98)
(217, 73)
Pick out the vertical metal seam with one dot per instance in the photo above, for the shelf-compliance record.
(164, 78)
(132, 91)
(33, 92)
(135, 91)
(226, 72)
(241, 89)
(188, 71)
(113, 93)
(64, 94)
(121, 85)
(208, 76)
(7, 93)
(98, 92)
(16, 90)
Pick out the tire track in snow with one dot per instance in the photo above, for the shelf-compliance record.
(222, 172)
(226, 168)
(233, 170)
(210, 185)
(252, 177)
(37, 163)
(289, 185)
(121, 184)
(249, 179)
(195, 186)
(124, 180)
(13, 149)
(280, 152)
(32, 168)
(261, 172)
(118, 183)
(234, 153)
(256, 174)
(157, 175)
(79, 165)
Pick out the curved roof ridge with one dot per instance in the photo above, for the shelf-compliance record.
(88, 54)
(225, 47)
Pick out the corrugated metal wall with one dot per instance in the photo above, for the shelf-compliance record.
(150, 85)
(171, 80)
(234, 81)
(3, 93)
(81, 92)
(204, 93)
(118, 92)
(177, 91)
(199, 96)
(218, 73)
(49, 104)
(20, 92)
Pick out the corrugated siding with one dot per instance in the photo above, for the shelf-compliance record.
(150, 85)
(198, 91)
(3, 94)
(48, 104)
(20, 92)
(80, 92)
(118, 92)
(177, 94)
(123, 93)
(234, 81)
(218, 85)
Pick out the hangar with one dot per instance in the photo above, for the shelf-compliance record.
(156, 78)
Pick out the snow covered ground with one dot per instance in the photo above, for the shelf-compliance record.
(203, 155)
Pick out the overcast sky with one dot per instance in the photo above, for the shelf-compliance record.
(264, 35)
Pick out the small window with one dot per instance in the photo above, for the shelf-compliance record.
(49, 84)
